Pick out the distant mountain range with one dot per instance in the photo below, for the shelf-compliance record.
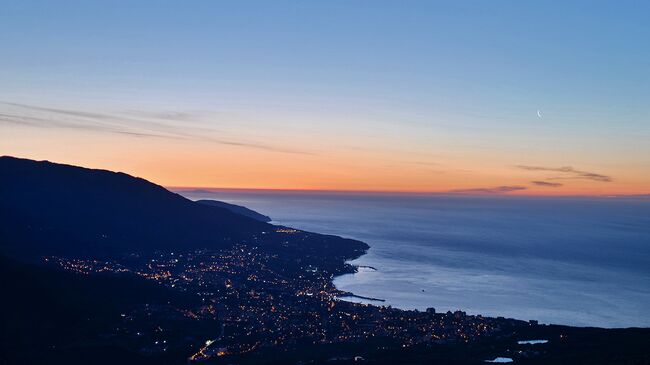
(49, 208)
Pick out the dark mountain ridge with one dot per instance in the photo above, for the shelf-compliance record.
(49, 208)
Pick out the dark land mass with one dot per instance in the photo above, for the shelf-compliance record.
(54, 209)
(51, 316)
(238, 209)
(104, 268)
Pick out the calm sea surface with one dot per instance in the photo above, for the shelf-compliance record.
(570, 261)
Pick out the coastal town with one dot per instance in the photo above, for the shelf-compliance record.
(254, 299)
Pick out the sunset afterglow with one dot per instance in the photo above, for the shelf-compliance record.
(401, 99)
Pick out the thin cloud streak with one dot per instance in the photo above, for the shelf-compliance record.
(494, 190)
(120, 124)
(569, 173)
(37, 122)
(547, 184)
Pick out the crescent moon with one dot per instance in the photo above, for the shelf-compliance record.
(539, 114)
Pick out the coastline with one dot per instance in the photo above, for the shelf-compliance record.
(347, 295)
(451, 276)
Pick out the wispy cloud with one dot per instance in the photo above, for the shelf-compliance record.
(493, 190)
(568, 172)
(71, 123)
(136, 124)
(547, 184)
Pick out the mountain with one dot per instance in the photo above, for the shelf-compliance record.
(50, 209)
(237, 209)
(59, 317)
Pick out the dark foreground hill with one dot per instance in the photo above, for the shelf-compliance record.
(52, 317)
(49, 208)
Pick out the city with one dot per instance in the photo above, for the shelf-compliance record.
(254, 305)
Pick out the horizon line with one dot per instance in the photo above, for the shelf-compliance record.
(397, 192)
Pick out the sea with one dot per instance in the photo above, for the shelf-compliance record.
(572, 261)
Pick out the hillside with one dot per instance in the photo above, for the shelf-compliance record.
(237, 209)
(49, 208)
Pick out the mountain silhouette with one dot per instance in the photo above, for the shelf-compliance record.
(48, 208)
(237, 209)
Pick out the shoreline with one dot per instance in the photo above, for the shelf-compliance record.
(347, 294)
(421, 300)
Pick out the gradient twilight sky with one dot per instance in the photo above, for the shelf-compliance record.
(337, 95)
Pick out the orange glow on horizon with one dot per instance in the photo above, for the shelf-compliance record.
(187, 163)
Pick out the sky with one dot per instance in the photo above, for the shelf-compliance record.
(483, 97)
